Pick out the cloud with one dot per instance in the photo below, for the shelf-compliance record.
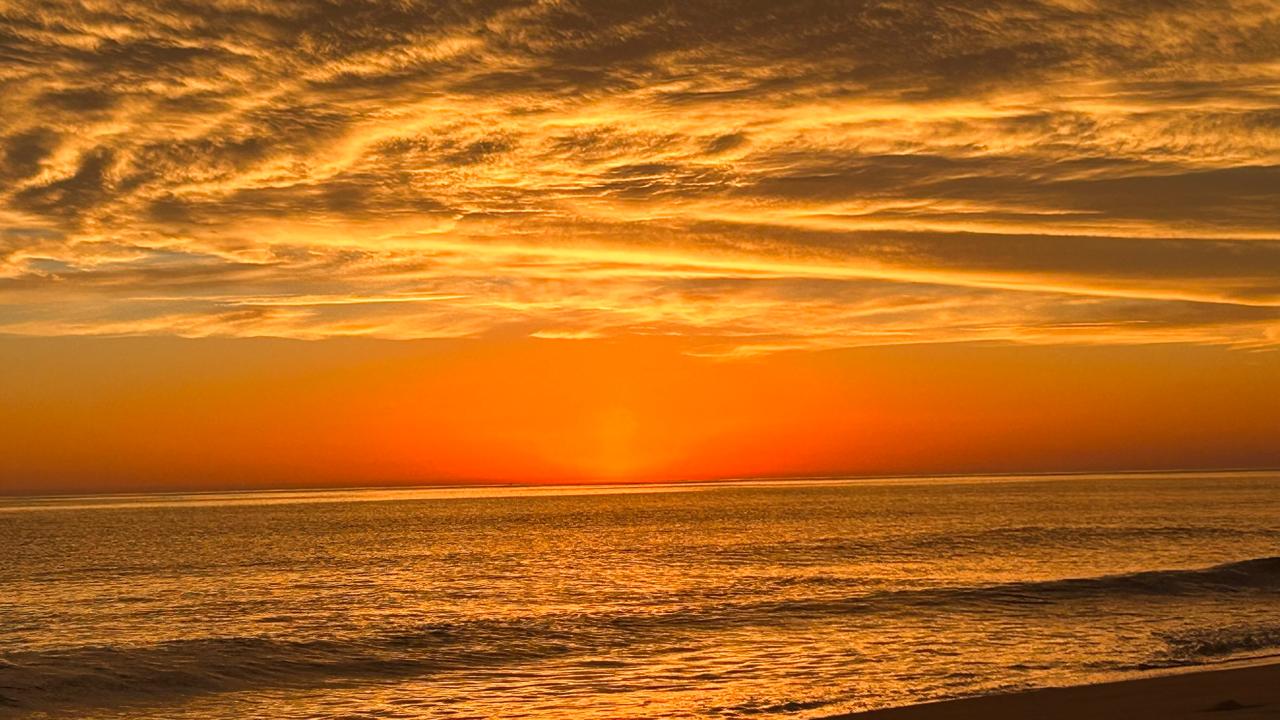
(819, 174)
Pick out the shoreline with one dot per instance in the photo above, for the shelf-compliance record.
(1248, 689)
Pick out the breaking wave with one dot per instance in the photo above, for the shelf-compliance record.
(100, 675)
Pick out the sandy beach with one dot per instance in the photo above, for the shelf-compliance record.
(1237, 692)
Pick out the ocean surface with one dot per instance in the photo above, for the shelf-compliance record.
(749, 600)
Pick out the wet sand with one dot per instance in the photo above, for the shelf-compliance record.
(1237, 692)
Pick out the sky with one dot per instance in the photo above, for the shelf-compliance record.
(260, 242)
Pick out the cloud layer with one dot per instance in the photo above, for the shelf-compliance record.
(756, 175)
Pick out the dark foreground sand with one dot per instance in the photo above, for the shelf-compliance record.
(1240, 692)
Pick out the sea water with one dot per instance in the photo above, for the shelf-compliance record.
(764, 600)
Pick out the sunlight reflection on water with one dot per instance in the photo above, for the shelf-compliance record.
(759, 598)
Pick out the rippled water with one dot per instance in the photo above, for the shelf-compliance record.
(760, 600)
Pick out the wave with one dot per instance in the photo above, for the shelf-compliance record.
(99, 676)
(1190, 646)
(1258, 574)
(107, 675)
(1247, 575)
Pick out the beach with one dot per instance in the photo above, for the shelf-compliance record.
(1237, 692)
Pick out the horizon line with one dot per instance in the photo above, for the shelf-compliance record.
(482, 484)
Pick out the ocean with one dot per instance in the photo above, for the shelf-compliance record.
(796, 599)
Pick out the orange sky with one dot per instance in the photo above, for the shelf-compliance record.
(84, 414)
(587, 239)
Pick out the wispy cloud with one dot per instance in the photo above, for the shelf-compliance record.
(761, 176)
